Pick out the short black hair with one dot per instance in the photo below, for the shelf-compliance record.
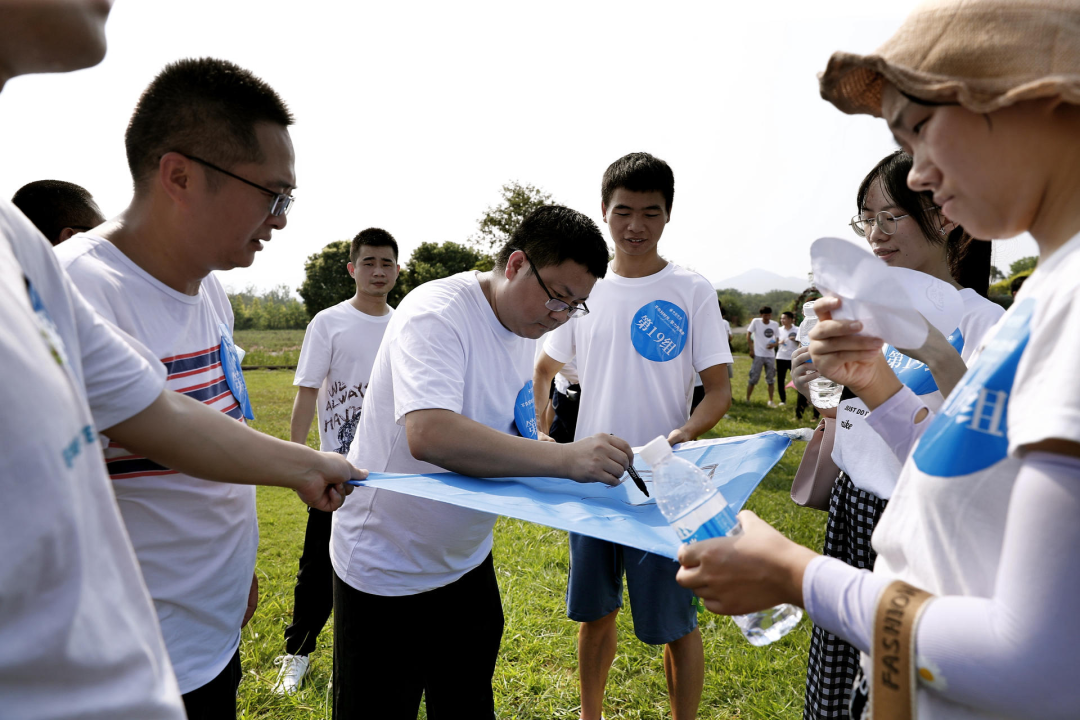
(206, 107)
(765, 310)
(788, 313)
(552, 234)
(1017, 283)
(372, 237)
(53, 205)
(969, 259)
(639, 172)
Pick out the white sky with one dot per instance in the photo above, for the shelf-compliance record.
(411, 115)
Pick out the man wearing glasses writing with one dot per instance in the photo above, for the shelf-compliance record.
(416, 602)
(212, 162)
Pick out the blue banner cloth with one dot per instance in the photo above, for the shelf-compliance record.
(620, 514)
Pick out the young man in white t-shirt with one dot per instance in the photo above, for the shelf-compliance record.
(79, 636)
(212, 164)
(416, 602)
(762, 337)
(653, 325)
(787, 344)
(332, 376)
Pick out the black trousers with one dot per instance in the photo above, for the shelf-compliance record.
(566, 406)
(442, 644)
(313, 597)
(216, 700)
(783, 367)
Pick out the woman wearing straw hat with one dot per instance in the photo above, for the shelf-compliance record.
(969, 609)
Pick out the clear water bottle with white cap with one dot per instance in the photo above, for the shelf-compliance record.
(696, 510)
(824, 393)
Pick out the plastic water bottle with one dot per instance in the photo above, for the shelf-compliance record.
(696, 510)
(824, 393)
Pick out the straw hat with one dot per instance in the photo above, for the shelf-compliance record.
(982, 54)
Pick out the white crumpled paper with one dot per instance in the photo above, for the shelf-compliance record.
(890, 302)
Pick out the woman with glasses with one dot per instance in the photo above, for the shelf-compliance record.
(968, 610)
(905, 230)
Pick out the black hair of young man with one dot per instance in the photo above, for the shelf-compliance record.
(55, 205)
(372, 237)
(552, 234)
(639, 172)
(765, 309)
(788, 313)
(203, 107)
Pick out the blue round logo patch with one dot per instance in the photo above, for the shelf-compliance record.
(234, 376)
(659, 330)
(916, 375)
(525, 412)
(968, 434)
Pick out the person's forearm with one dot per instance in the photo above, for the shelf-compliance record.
(459, 444)
(303, 412)
(713, 406)
(214, 447)
(947, 367)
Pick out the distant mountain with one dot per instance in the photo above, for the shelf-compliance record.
(762, 281)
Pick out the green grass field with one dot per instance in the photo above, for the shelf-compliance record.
(270, 347)
(535, 677)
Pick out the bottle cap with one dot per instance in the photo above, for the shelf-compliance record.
(808, 309)
(656, 450)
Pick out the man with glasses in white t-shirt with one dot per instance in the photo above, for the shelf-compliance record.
(210, 155)
(416, 602)
(79, 636)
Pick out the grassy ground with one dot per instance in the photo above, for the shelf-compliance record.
(535, 677)
(270, 347)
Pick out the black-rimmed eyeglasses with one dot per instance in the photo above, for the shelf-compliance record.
(280, 205)
(554, 304)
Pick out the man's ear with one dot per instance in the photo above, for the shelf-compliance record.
(514, 264)
(603, 210)
(352, 269)
(174, 176)
(65, 234)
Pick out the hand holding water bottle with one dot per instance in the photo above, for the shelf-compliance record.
(697, 511)
(758, 569)
(845, 357)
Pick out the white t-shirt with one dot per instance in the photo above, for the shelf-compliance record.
(725, 333)
(337, 356)
(789, 342)
(637, 350)
(763, 333)
(944, 526)
(78, 633)
(857, 449)
(443, 349)
(196, 540)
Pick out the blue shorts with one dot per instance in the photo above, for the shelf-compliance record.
(663, 610)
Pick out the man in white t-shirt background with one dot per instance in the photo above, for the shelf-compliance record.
(787, 345)
(417, 610)
(762, 337)
(332, 377)
(209, 151)
(653, 325)
(79, 635)
(699, 386)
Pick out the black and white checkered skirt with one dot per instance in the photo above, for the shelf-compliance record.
(833, 663)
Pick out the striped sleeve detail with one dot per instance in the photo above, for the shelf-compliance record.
(198, 375)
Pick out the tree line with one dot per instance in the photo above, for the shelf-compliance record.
(326, 282)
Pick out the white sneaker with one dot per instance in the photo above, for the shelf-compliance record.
(781, 404)
(293, 670)
(772, 404)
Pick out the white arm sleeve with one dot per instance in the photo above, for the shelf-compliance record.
(1013, 653)
(894, 421)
